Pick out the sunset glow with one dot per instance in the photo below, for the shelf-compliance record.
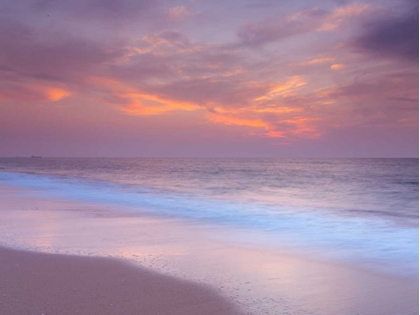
(283, 77)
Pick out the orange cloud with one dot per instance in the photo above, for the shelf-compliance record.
(303, 127)
(351, 9)
(55, 94)
(165, 43)
(285, 88)
(134, 102)
(340, 14)
(337, 66)
(228, 120)
(271, 120)
(277, 127)
(316, 61)
(148, 104)
(32, 92)
(278, 110)
(275, 134)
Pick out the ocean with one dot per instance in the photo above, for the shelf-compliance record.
(359, 210)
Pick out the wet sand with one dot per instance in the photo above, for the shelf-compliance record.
(259, 280)
(38, 283)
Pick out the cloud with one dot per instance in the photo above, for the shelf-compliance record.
(317, 61)
(281, 124)
(166, 71)
(179, 13)
(51, 55)
(210, 93)
(394, 34)
(377, 102)
(342, 14)
(47, 66)
(283, 89)
(32, 91)
(302, 22)
(256, 34)
(80, 9)
(337, 66)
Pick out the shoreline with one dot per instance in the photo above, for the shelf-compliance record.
(43, 283)
(259, 280)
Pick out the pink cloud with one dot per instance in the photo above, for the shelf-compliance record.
(284, 92)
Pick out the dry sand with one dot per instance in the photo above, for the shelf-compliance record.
(38, 283)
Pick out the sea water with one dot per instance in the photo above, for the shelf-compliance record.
(362, 210)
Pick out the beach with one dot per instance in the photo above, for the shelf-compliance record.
(186, 157)
(146, 265)
(37, 283)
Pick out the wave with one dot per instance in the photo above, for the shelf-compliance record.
(356, 238)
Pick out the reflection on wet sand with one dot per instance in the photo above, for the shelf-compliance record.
(260, 280)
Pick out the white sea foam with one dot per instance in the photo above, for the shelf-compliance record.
(350, 235)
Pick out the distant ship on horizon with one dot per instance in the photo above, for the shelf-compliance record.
(36, 156)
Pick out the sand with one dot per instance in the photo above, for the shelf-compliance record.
(260, 280)
(38, 283)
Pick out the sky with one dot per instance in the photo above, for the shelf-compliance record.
(195, 78)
